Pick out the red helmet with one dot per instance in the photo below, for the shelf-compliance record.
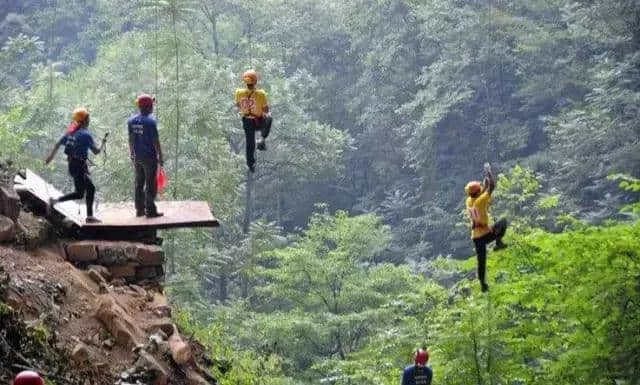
(421, 357)
(250, 77)
(28, 377)
(145, 101)
(473, 188)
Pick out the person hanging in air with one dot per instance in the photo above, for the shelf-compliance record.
(478, 202)
(78, 141)
(256, 116)
(146, 154)
(420, 373)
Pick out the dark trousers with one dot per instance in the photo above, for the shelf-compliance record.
(497, 232)
(145, 185)
(250, 127)
(80, 173)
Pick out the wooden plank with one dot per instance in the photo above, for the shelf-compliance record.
(39, 189)
(119, 216)
(176, 214)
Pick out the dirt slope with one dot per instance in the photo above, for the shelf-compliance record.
(104, 331)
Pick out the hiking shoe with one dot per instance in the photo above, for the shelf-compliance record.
(499, 246)
(139, 214)
(252, 168)
(484, 287)
(261, 145)
(92, 219)
(154, 215)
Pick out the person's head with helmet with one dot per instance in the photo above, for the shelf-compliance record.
(421, 356)
(473, 189)
(28, 377)
(79, 119)
(250, 78)
(145, 103)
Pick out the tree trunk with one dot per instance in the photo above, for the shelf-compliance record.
(214, 27)
(177, 96)
(476, 359)
(223, 288)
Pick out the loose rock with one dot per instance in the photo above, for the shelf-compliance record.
(7, 229)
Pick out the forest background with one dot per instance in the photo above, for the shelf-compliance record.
(351, 249)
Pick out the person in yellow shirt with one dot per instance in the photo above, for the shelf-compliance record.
(254, 107)
(478, 202)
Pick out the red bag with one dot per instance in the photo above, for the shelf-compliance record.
(161, 180)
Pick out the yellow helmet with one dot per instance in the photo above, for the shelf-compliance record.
(473, 188)
(80, 114)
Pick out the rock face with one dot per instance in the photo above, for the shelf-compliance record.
(118, 322)
(133, 262)
(9, 203)
(6, 229)
(80, 353)
(180, 351)
(33, 231)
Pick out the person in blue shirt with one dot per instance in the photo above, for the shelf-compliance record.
(146, 155)
(420, 373)
(77, 143)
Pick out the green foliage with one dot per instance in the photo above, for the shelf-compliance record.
(519, 196)
(631, 184)
(13, 137)
(385, 107)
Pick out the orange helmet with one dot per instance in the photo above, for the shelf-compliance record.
(145, 101)
(80, 114)
(28, 377)
(473, 188)
(421, 356)
(250, 77)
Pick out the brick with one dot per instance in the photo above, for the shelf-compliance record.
(146, 272)
(82, 251)
(149, 255)
(115, 253)
(123, 271)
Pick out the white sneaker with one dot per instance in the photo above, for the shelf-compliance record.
(92, 219)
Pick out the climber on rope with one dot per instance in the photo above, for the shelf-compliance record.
(77, 142)
(28, 377)
(146, 155)
(420, 373)
(478, 201)
(256, 116)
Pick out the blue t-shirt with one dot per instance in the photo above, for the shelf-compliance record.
(77, 145)
(417, 375)
(145, 132)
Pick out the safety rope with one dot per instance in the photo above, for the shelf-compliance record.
(250, 43)
(489, 336)
(157, 27)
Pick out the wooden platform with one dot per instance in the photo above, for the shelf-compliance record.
(117, 216)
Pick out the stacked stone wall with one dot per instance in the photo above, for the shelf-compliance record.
(133, 262)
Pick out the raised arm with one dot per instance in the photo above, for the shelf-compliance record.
(489, 182)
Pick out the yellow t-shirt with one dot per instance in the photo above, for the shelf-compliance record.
(478, 209)
(251, 102)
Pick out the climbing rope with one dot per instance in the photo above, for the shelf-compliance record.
(489, 336)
